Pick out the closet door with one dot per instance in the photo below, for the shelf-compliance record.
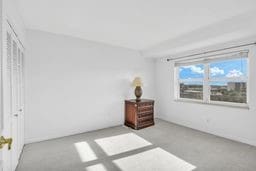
(12, 117)
(6, 94)
(15, 112)
(17, 104)
(20, 99)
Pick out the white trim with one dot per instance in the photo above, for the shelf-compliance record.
(55, 135)
(213, 132)
(206, 85)
(248, 80)
(190, 100)
(176, 83)
(214, 103)
(191, 80)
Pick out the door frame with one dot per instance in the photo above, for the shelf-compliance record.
(1, 82)
(9, 122)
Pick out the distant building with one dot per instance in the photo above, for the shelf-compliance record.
(236, 86)
(218, 90)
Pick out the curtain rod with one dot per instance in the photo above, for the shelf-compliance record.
(211, 51)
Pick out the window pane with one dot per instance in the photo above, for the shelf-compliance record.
(228, 92)
(229, 68)
(191, 90)
(191, 71)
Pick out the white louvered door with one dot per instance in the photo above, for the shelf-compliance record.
(6, 96)
(12, 98)
(15, 116)
(20, 95)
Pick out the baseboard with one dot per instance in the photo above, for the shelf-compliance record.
(230, 137)
(20, 155)
(57, 135)
(54, 136)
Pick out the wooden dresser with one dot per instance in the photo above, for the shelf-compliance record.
(139, 114)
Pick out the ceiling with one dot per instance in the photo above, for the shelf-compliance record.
(134, 24)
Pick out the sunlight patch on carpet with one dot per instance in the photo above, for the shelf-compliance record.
(97, 167)
(151, 160)
(121, 143)
(85, 151)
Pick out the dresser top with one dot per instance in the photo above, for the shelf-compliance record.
(141, 101)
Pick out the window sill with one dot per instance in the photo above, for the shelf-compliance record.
(223, 104)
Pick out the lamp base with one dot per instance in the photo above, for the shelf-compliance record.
(138, 93)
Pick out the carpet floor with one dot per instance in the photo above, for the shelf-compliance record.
(163, 147)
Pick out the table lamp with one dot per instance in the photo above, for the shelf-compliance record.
(137, 83)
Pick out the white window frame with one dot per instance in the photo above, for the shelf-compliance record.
(206, 78)
(177, 69)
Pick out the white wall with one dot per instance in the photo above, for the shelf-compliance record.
(234, 123)
(229, 31)
(74, 86)
(12, 14)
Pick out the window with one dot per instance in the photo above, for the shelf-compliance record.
(220, 80)
(191, 81)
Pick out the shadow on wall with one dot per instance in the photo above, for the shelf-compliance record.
(238, 27)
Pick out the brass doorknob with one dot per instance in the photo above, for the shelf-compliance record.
(4, 141)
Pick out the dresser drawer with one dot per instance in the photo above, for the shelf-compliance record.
(145, 104)
(145, 109)
(146, 123)
(145, 114)
(145, 118)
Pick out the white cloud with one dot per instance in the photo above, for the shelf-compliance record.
(195, 69)
(216, 71)
(234, 73)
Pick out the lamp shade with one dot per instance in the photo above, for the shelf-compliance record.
(137, 82)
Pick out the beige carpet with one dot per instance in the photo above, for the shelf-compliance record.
(163, 147)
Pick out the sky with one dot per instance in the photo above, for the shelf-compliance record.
(224, 69)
